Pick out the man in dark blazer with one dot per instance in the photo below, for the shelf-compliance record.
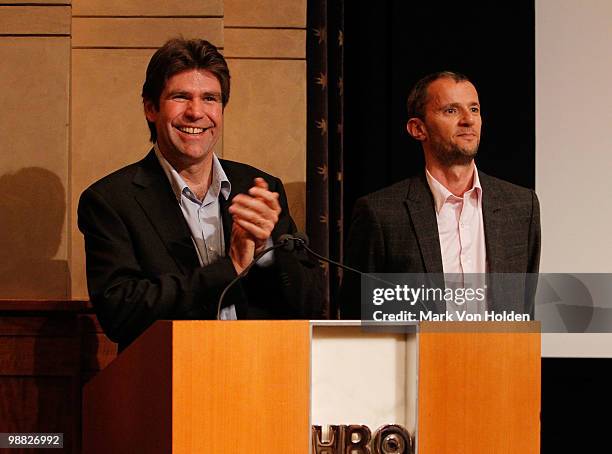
(397, 229)
(164, 236)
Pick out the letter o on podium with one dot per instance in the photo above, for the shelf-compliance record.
(392, 439)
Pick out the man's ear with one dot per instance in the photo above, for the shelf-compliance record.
(149, 110)
(416, 128)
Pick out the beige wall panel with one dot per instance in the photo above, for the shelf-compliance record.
(265, 13)
(265, 122)
(108, 126)
(34, 167)
(138, 32)
(35, 20)
(267, 43)
(147, 8)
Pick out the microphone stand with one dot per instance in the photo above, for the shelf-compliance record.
(280, 244)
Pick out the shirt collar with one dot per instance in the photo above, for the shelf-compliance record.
(220, 183)
(441, 194)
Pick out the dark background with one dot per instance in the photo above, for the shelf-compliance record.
(388, 47)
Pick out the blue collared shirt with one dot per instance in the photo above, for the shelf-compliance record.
(203, 216)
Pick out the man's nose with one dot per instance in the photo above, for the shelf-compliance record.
(195, 109)
(467, 117)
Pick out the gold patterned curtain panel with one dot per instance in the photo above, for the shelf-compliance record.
(324, 185)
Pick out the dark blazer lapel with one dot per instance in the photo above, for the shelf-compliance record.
(420, 205)
(493, 224)
(154, 194)
(226, 219)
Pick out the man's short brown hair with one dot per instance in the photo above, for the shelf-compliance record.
(418, 95)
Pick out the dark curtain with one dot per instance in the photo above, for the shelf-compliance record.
(325, 160)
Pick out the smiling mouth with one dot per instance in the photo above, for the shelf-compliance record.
(190, 130)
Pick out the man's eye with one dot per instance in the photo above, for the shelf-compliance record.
(475, 110)
(211, 98)
(450, 110)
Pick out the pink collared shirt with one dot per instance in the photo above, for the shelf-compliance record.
(460, 227)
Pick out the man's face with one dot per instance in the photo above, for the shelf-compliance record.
(189, 120)
(451, 127)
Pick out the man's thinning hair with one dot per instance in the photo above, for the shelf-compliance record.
(179, 55)
(418, 95)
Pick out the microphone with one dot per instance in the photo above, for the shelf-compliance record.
(299, 241)
(295, 242)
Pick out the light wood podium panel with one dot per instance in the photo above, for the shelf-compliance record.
(204, 387)
(479, 388)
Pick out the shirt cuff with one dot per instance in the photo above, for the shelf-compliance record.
(268, 258)
(228, 313)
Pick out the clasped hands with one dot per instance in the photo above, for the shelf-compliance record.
(255, 214)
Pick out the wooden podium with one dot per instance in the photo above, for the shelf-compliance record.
(245, 387)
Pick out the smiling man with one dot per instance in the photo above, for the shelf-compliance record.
(164, 236)
(452, 218)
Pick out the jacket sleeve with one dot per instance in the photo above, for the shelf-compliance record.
(127, 298)
(533, 263)
(534, 235)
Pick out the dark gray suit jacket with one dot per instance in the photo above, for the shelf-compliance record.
(395, 230)
(142, 265)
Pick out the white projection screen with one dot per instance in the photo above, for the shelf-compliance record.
(574, 149)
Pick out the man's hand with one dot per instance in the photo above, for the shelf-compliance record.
(242, 248)
(255, 216)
